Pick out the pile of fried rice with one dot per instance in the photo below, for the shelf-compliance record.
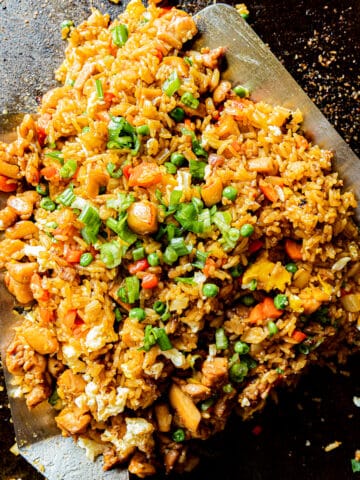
(177, 249)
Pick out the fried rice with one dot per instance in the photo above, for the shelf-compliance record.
(178, 249)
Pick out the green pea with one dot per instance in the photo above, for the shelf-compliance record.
(272, 328)
(170, 168)
(241, 348)
(137, 314)
(241, 91)
(246, 230)
(230, 193)
(253, 285)
(291, 267)
(178, 435)
(177, 159)
(143, 130)
(228, 388)
(281, 301)
(85, 259)
(210, 290)
(248, 300)
(238, 372)
(236, 272)
(153, 259)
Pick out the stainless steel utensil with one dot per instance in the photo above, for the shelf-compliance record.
(252, 64)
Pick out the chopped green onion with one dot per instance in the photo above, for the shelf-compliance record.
(47, 204)
(149, 338)
(188, 280)
(90, 233)
(253, 285)
(355, 465)
(162, 339)
(111, 254)
(54, 397)
(138, 253)
(118, 316)
(170, 256)
(178, 436)
(172, 84)
(85, 129)
(89, 215)
(198, 204)
(197, 169)
(281, 301)
(200, 259)
(143, 130)
(165, 316)
(238, 372)
(177, 114)
(246, 230)
(122, 135)
(121, 203)
(271, 326)
(210, 290)
(180, 247)
(132, 285)
(111, 169)
(120, 35)
(280, 371)
(170, 168)
(241, 348)
(248, 300)
(189, 100)
(68, 169)
(56, 155)
(175, 197)
(153, 259)
(236, 272)
(241, 91)
(228, 388)
(291, 267)
(42, 189)
(206, 404)
(304, 348)
(221, 340)
(159, 307)
(177, 159)
(67, 24)
(51, 225)
(99, 89)
(137, 314)
(230, 193)
(188, 61)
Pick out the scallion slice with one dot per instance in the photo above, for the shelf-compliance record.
(172, 84)
(120, 35)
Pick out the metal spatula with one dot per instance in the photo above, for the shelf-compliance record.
(252, 64)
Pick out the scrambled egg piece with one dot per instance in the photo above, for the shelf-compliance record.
(268, 275)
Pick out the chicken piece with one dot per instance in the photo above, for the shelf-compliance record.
(197, 391)
(21, 291)
(21, 272)
(8, 217)
(70, 385)
(175, 28)
(23, 204)
(211, 58)
(140, 467)
(73, 420)
(37, 395)
(40, 339)
(215, 372)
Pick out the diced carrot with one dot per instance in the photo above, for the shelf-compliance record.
(236, 146)
(149, 281)
(108, 98)
(209, 265)
(49, 172)
(70, 317)
(138, 266)
(127, 170)
(144, 175)
(298, 336)
(46, 315)
(40, 294)
(73, 255)
(293, 249)
(269, 191)
(7, 184)
(301, 142)
(187, 123)
(41, 135)
(255, 245)
(264, 310)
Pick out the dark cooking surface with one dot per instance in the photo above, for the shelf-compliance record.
(319, 43)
